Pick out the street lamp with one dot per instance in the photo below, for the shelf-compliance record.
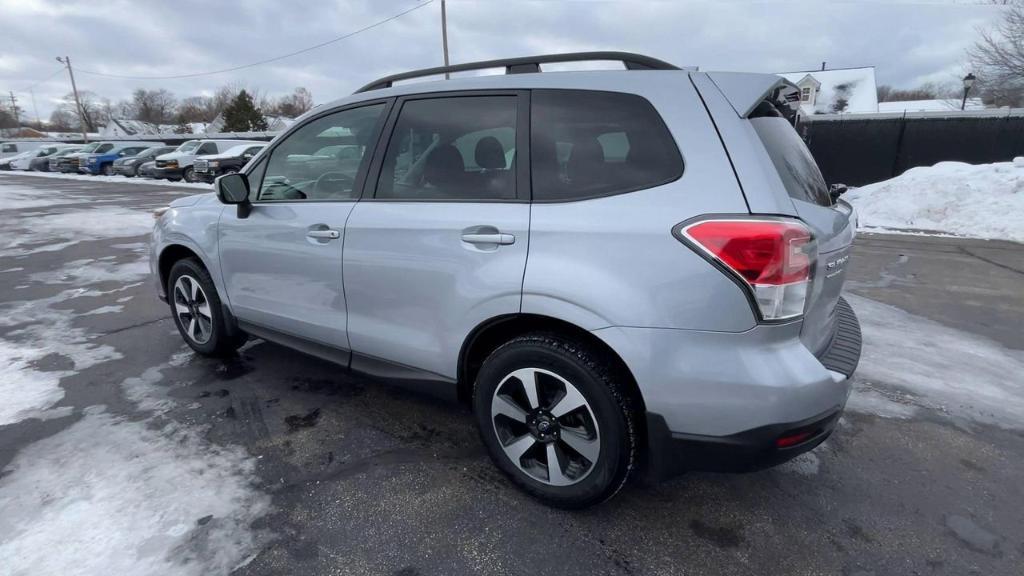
(968, 82)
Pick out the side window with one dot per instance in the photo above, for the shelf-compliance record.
(321, 160)
(103, 149)
(585, 144)
(207, 148)
(458, 148)
(8, 148)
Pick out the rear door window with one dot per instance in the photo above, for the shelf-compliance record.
(586, 144)
(457, 148)
(793, 161)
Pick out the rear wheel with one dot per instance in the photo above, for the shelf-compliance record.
(197, 310)
(556, 420)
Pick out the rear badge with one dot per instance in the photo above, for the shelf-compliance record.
(836, 266)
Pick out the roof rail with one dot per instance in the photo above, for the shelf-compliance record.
(526, 65)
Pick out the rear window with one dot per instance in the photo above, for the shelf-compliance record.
(793, 161)
(586, 144)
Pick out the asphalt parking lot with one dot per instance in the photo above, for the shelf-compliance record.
(301, 468)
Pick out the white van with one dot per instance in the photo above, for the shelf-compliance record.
(177, 165)
(14, 148)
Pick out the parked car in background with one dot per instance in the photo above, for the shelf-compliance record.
(177, 165)
(8, 149)
(101, 160)
(681, 307)
(146, 169)
(25, 162)
(42, 163)
(7, 163)
(129, 165)
(70, 162)
(55, 160)
(207, 168)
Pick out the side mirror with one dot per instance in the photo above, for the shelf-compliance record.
(234, 189)
(836, 190)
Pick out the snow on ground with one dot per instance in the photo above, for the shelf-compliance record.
(107, 494)
(43, 230)
(114, 179)
(113, 496)
(978, 201)
(909, 362)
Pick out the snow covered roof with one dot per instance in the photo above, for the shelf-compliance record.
(841, 91)
(938, 105)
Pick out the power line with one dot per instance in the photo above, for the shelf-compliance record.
(268, 60)
(38, 82)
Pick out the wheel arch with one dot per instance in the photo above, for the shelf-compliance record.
(173, 253)
(492, 333)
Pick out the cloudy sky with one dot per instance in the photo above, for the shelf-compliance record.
(909, 42)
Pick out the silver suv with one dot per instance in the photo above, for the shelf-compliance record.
(624, 273)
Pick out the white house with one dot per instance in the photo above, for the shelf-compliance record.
(836, 91)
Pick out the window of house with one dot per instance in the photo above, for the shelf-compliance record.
(805, 94)
(459, 148)
(586, 144)
(299, 169)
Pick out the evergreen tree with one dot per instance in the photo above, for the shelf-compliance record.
(242, 115)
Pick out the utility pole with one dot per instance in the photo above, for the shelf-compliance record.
(35, 108)
(14, 110)
(444, 35)
(78, 103)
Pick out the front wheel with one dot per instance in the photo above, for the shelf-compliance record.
(557, 420)
(188, 174)
(197, 310)
(108, 170)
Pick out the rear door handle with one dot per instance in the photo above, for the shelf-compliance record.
(326, 234)
(501, 239)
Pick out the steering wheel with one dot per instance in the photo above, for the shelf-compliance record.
(337, 182)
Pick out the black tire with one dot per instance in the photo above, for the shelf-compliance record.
(108, 170)
(223, 339)
(188, 174)
(608, 402)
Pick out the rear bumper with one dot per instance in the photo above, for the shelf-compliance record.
(722, 401)
(670, 454)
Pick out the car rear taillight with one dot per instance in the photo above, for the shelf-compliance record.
(773, 258)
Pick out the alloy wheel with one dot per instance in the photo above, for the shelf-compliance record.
(545, 426)
(193, 309)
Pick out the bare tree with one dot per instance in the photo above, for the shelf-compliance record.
(292, 106)
(155, 106)
(998, 59)
(92, 109)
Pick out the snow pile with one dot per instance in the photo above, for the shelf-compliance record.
(114, 179)
(978, 201)
(910, 362)
(114, 496)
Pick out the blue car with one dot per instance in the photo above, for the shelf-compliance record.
(101, 161)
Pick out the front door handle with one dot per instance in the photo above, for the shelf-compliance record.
(324, 234)
(501, 239)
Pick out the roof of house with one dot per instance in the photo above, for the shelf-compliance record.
(854, 87)
(937, 105)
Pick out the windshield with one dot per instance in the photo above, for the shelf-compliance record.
(68, 151)
(188, 146)
(90, 147)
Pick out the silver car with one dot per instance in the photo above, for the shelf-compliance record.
(624, 273)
